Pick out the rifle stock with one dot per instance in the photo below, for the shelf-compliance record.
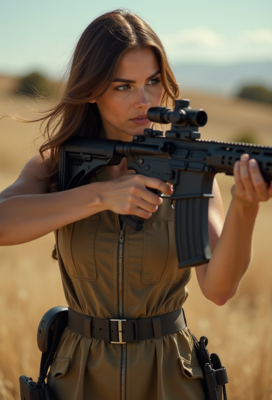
(180, 158)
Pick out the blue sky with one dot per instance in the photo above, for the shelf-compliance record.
(41, 35)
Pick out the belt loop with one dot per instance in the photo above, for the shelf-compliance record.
(156, 321)
(135, 330)
(108, 330)
(88, 327)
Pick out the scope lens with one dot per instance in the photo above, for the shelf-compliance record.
(201, 118)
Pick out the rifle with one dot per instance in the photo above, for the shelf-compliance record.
(179, 157)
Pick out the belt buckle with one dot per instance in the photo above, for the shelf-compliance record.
(120, 332)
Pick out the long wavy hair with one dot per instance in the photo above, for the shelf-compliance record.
(91, 72)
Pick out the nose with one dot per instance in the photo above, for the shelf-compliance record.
(142, 101)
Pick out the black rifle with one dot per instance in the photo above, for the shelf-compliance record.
(179, 157)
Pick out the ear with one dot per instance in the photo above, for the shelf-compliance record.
(92, 101)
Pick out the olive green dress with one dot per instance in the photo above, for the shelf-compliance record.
(108, 272)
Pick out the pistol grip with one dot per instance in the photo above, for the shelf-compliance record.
(135, 222)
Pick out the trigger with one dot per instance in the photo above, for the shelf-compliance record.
(156, 191)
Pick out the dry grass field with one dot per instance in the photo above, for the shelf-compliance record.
(240, 331)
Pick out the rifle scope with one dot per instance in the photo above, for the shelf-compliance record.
(181, 115)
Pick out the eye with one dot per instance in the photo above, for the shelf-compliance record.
(153, 81)
(123, 88)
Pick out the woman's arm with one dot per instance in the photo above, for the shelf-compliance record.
(27, 212)
(231, 248)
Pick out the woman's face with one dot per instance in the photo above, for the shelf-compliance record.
(135, 88)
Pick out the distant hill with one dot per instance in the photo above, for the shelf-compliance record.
(223, 79)
(8, 84)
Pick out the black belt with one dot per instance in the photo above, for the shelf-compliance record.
(126, 330)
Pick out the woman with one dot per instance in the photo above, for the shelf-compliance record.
(110, 271)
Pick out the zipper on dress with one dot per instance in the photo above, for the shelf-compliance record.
(120, 270)
(121, 305)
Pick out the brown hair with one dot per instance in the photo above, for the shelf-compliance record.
(91, 72)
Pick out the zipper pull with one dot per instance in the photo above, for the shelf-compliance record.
(121, 236)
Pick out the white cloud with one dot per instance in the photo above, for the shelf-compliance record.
(202, 44)
(195, 37)
(257, 36)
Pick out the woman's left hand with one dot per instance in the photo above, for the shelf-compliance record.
(250, 187)
(232, 248)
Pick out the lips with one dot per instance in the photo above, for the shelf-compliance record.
(140, 119)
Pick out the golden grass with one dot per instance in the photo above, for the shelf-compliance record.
(240, 331)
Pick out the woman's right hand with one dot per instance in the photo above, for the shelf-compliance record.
(28, 212)
(131, 195)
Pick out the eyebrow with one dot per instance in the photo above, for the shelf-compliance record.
(131, 81)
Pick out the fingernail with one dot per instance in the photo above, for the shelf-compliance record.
(244, 157)
(252, 163)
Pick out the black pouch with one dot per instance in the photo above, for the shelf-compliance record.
(31, 390)
(214, 373)
(49, 333)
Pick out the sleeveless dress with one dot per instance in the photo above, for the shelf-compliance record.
(109, 272)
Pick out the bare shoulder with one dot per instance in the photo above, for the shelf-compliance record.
(30, 180)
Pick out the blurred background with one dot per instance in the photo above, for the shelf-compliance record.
(221, 53)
